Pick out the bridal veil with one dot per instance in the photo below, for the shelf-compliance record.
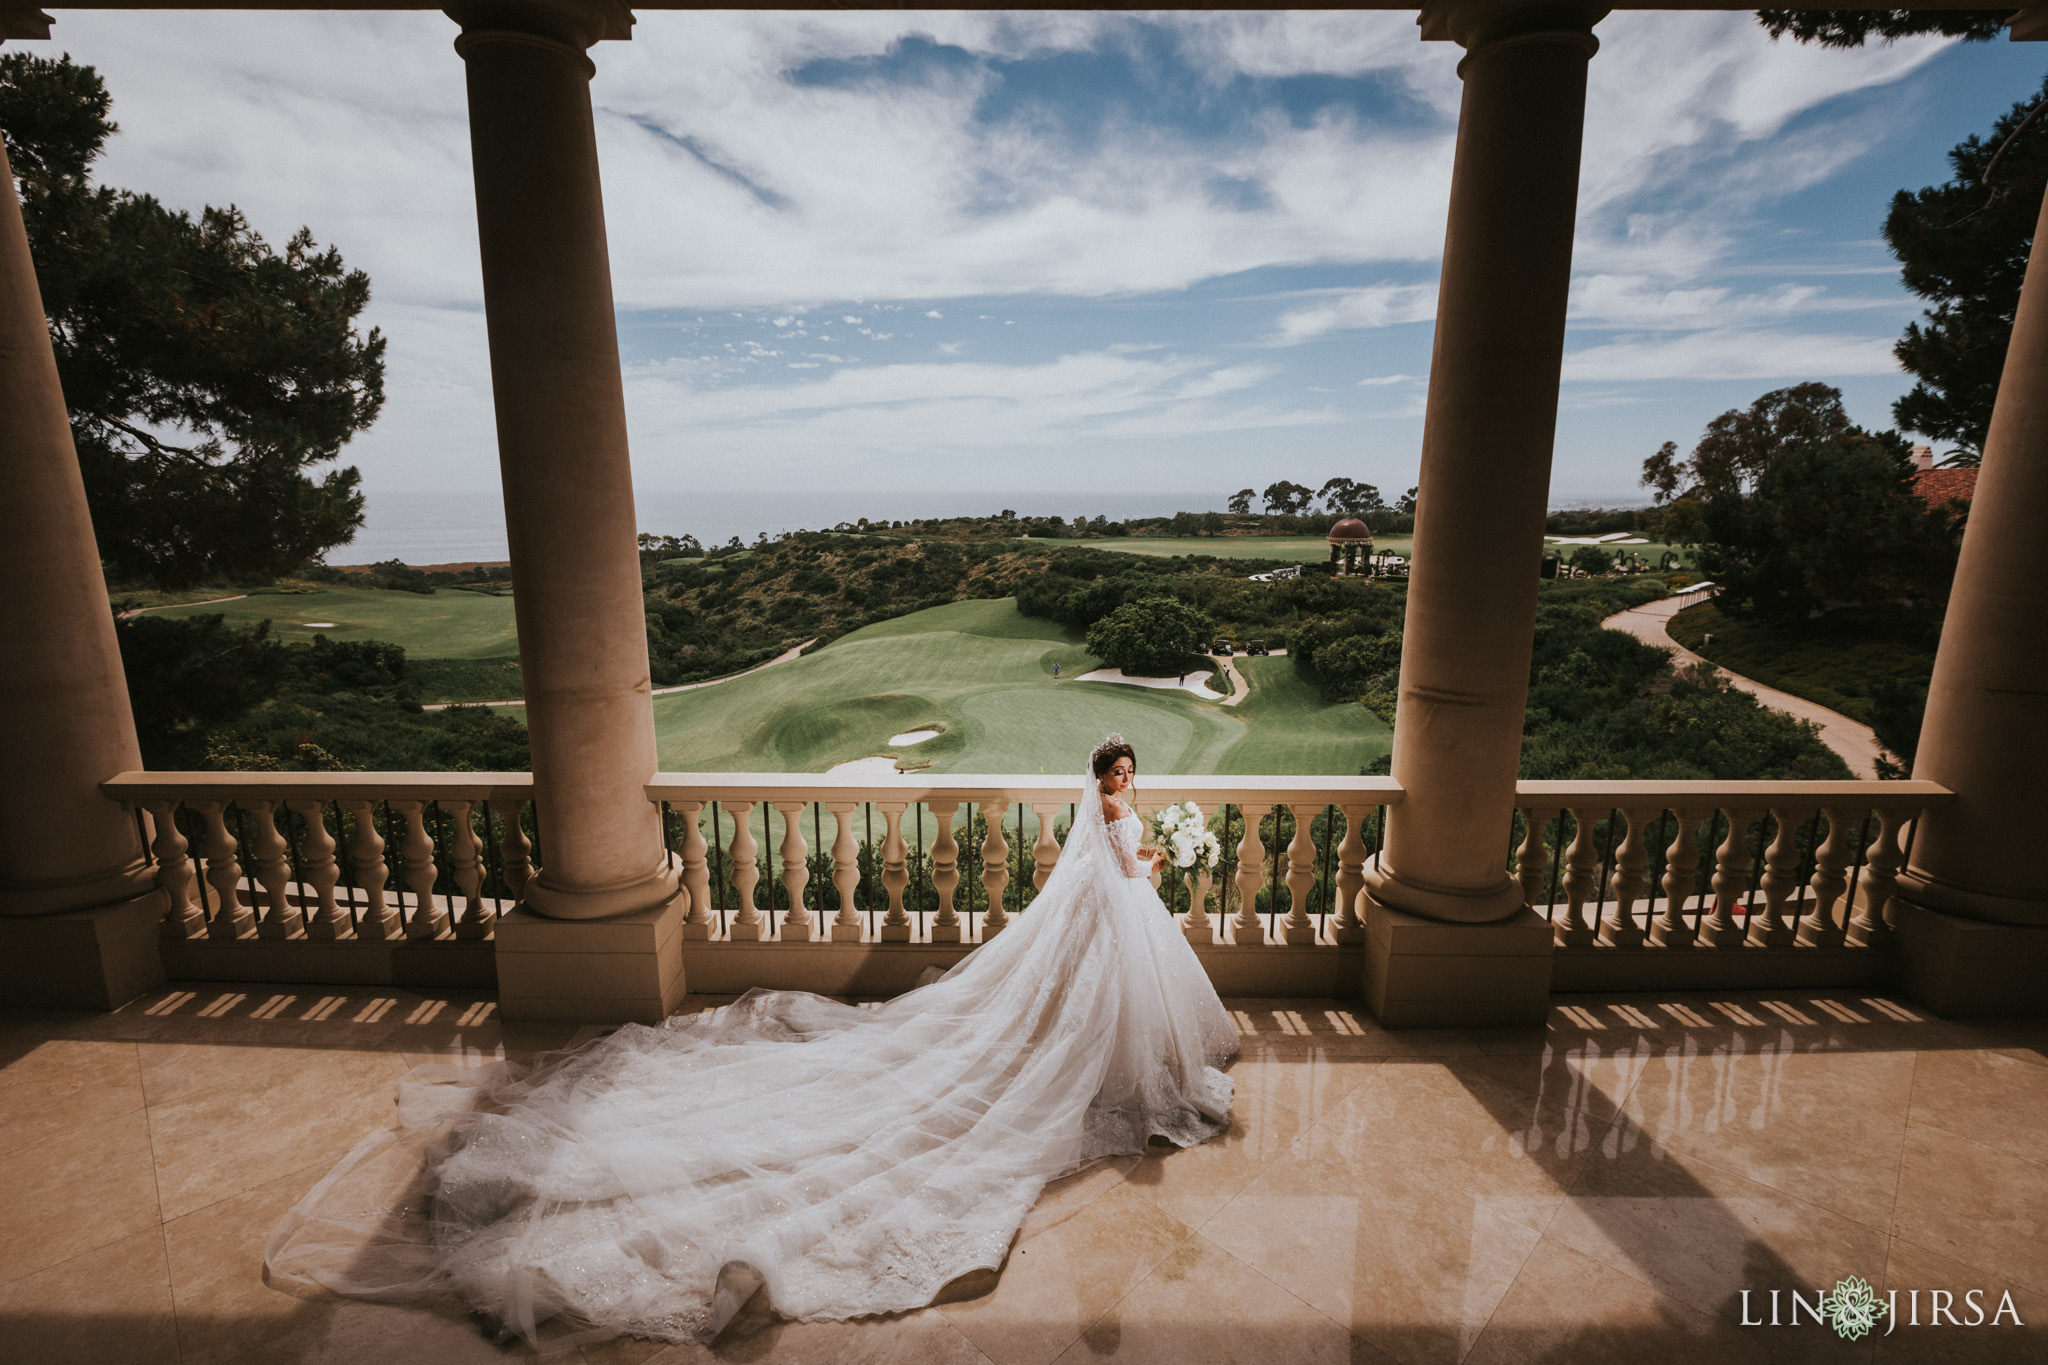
(846, 1159)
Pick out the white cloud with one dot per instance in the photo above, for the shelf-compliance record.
(1735, 353)
(1381, 305)
(731, 186)
(879, 413)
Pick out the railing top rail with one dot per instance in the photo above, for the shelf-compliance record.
(1912, 795)
(129, 788)
(916, 786)
(1040, 787)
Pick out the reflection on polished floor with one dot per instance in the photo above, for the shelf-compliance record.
(1604, 1188)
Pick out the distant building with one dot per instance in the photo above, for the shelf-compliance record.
(1937, 487)
(1350, 542)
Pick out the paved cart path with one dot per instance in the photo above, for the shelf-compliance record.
(1852, 739)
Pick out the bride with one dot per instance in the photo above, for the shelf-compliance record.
(847, 1160)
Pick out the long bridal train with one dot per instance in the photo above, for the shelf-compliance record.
(851, 1160)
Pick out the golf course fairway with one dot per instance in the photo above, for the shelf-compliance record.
(983, 674)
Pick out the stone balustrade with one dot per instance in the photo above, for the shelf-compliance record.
(1644, 883)
(953, 858)
(334, 857)
(1713, 867)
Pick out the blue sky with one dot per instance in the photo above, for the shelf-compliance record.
(1092, 253)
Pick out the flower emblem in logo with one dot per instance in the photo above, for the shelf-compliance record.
(1853, 1309)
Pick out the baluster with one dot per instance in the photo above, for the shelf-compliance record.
(1830, 877)
(1301, 877)
(327, 920)
(1780, 881)
(231, 918)
(428, 919)
(1618, 928)
(945, 873)
(379, 921)
(1348, 927)
(995, 868)
(746, 920)
(514, 850)
(1532, 859)
(1731, 879)
(1872, 927)
(1045, 853)
(700, 923)
(846, 926)
(1681, 871)
(182, 918)
(1248, 928)
(796, 872)
(895, 872)
(1145, 813)
(1198, 927)
(280, 918)
(1581, 876)
(465, 851)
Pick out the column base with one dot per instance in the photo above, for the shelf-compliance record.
(1422, 973)
(628, 969)
(1964, 968)
(96, 959)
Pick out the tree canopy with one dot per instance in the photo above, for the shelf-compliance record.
(1801, 511)
(1964, 246)
(1153, 635)
(205, 373)
(1854, 27)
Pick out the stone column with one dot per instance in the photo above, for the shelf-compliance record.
(1972, 903)
(568, 485)
(77, 909)
(1485, 481)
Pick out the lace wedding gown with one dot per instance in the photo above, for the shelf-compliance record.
(852, 1160)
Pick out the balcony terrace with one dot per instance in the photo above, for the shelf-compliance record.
(1532, 1070)
(1600, 1186)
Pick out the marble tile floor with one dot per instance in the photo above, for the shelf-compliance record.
(1600, 1188)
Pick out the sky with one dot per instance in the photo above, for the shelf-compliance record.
(1085, 254)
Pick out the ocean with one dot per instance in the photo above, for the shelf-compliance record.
(453, 527)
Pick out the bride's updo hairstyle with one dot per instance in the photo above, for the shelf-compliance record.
(1109, 751)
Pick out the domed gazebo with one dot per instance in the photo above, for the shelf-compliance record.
(1350, 542)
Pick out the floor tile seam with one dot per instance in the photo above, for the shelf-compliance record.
(1141, 1280)
(1278, 1287)
(1891, 1222)
(1494, 1312)
(2037, 1163)
(2003, 1275)
(1796, 1198)
(254, 1082)
(94, 1249)
(7, 1149)
(171, 1291)
(1692, 1143)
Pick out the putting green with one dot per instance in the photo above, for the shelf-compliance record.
(984, 672)
(449, 624)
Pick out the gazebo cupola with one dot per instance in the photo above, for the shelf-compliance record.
(1350, 541)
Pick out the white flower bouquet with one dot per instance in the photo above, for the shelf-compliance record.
(1184, 835)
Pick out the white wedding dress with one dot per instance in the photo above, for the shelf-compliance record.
(850, 1160)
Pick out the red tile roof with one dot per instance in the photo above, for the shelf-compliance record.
(1938, 486)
